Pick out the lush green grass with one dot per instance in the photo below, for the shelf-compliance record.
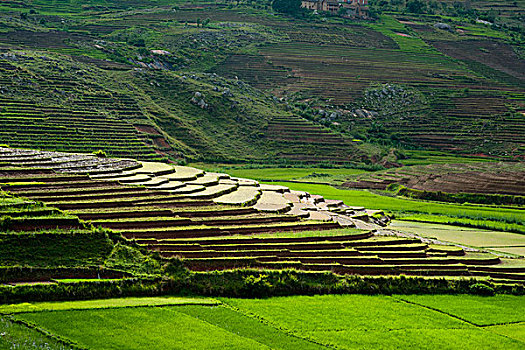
(300, 322)
(371, 323)
(518, 251)
(331, 312)
(6, 201)
(139, 328)
(514, 331)
(371, 200)
(483, 30)
(17, 336)
(279, 173)
(103, 304)
(446, 338)
(482, 311)
(60, 248)
(462, 235)
(323, 233)
(389, 26)
(434, 157)
(83, 280)
(478, 223)
(249, 327)
(288, 234)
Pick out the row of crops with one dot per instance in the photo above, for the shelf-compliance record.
(303, 140)
(212, 221)
(464, 111)
(503, 178)
(76, 121)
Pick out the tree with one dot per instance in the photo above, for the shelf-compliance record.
(416, 6)
(290, 7)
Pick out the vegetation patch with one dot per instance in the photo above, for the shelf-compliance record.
(468, 236)
(75, 248)
(104, 304)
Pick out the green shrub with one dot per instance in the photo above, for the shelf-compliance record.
(128, 258)
(482, 289)
(100, 153)
(82, 290)
(256, 283)
(257, 286)
(54, 248)
(175, 268)
(252, 283)
(478, 198)
(290, 7)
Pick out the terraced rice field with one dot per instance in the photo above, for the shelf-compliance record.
(84, 123)
(302, 140)
(213, 221)
(504, 242)
(312, 66)
(488, 178)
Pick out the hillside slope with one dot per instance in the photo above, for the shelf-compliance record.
(195, 80)
(91, 84)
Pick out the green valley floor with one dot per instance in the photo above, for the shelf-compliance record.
(299, 322)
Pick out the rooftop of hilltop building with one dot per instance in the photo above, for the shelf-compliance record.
(346, 8)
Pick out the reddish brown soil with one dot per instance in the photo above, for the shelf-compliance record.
(472, 182)
(463, 179)
(495, 54)
(74, 197)
(147, 129)
(142, 224)
(344, 238)
(213, 232)
(161, 142)
(113, 189)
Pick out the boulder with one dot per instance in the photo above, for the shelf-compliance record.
(443, 26)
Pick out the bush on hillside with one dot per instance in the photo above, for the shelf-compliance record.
(289, 7)
(416, 6)
(482, 289)
(100, 153)
(127, 258)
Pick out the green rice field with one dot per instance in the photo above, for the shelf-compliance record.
(375, 201)
(280, 173)
(300, 322)
(494, 240)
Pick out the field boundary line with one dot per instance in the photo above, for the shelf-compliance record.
(271, 324)
(482, 327)
(462, 319)
(437, 310)
(63, 340)
(217, 302)
(217, 326)
(504, 324)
